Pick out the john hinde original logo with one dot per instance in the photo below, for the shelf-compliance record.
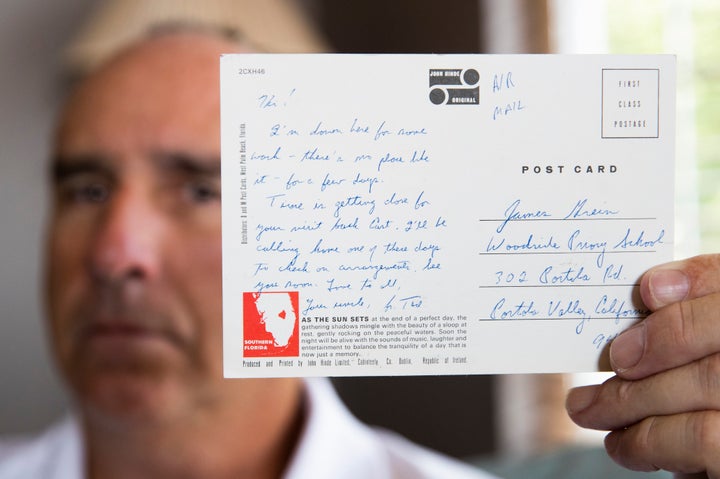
(454, 86)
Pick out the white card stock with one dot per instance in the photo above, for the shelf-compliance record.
(439, 214)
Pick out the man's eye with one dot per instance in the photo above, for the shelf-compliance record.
(85, 192)
(202, 192)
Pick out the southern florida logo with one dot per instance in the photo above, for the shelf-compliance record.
(270, 324)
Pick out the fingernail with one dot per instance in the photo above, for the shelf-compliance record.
(581, 398)
(627, 349)
(669, 285)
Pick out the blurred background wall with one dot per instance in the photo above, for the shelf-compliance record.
(32, 36)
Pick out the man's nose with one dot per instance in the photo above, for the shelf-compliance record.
(127, 239)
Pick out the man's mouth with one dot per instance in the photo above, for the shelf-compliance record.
(122, 336)
(119, 329)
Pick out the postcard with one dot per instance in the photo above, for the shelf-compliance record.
(439, 214)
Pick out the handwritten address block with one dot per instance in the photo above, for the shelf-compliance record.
(451, 214)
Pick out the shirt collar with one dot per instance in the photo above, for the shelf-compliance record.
(333, 443)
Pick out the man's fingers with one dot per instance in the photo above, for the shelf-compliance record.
(619, 403)
(680, 280)
(664, 406)
(686, 443)
(670, 420)
(670, 337)
(685, 296)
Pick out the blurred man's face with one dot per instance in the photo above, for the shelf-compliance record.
(134, 253)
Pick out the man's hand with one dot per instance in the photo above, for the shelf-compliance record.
(663, 406)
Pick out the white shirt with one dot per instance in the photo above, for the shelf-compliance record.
(333, 445)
